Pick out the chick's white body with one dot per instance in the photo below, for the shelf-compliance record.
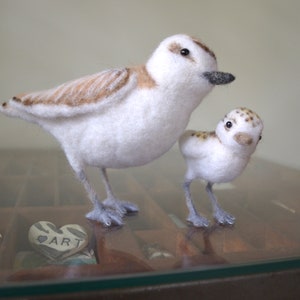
(219, 157)
(212, 161)
(124, 117)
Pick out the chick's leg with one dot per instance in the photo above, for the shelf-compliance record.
(196, 219)
(220, 215)
(122, 207)
(100, 213)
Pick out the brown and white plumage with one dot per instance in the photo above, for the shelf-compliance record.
(84, 95)
(124, 117)
(218, 157)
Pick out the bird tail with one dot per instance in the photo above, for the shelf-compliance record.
(11, 108)
(7, 109)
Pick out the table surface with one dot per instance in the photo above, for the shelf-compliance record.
(157, 243)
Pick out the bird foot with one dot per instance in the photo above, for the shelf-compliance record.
(105, 215)
(120, 206)
(198, 221)
(224, 218)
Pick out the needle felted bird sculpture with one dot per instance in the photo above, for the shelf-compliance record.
(218, 157)
(124, 117)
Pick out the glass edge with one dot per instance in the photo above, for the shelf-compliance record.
(146, 279)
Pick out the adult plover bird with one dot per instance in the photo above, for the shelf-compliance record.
(124, 117)
(218, 157)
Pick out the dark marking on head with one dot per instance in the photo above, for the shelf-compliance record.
(243, 139)
(176, 48)
(4, 104)
(204, 47)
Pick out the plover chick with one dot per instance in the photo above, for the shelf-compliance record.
(218, 157)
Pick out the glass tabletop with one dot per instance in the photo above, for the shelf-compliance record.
(154, 246)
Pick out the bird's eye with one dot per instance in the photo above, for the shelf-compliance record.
(184, 52)
(228, 124)
(260, 137)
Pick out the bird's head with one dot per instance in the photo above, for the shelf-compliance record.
(240, 130)
(184, 62)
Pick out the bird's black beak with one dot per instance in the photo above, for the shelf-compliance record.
(217, 78)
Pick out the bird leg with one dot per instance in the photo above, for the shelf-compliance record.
(122, 207)
(100, 213)
(194, 217)
(221, 216)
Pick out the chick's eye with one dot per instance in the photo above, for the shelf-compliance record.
(260, 137)
(184, 52)
(228, 124)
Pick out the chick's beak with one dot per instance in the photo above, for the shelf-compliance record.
(217, 78)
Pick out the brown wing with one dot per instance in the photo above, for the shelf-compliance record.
(85, 90)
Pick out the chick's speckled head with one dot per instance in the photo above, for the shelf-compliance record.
(240, 130)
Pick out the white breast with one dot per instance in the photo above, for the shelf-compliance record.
(219, 165)
(132, 133)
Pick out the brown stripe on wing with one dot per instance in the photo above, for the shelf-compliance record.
(86, 90)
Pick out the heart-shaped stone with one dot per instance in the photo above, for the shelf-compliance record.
(56, 243)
